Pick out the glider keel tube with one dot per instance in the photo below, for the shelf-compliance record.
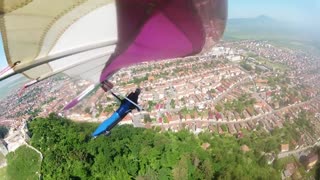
(82, 95)
(20, 68)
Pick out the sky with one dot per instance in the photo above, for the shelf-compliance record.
(301, 12)
(3, 62)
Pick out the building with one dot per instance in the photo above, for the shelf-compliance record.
(245, 148)
(284, 147)
(235, 58)
(290, 170)
(3, 147)
(205, 146)
(311, 161)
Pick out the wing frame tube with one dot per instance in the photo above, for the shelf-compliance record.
(57, 56)
(73, 66)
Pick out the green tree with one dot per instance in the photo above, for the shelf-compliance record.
(213, 91)
(3, 131)
(218, 107)
(172, 104)
(87, 110)
(181, 170)
(147, 118)
(137, 153)
(246, 66)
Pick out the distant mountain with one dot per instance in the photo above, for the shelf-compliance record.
(266, 28)
(260, 20)
(260, 27)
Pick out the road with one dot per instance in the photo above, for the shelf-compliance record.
(31, 147)
(6, 121)
(285, 154)
(218, 98)
(244, 80)
(174, 123)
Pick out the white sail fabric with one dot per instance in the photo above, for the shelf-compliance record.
(79, 35)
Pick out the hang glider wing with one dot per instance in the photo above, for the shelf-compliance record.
(152, 30)
(92, 39)
(76, 37)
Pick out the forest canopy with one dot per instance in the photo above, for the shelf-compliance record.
(69, 152)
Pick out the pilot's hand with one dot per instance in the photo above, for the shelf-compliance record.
(106, 85)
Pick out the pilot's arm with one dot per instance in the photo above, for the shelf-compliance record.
(116, 96)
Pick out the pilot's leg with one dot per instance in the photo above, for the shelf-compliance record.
(107, 124)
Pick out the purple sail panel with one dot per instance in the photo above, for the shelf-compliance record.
(70, 105)
(214, 14)
(151, 30)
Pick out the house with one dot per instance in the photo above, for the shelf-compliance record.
(169, 117)
(188, 117)
(151, 78)
(240, 135)
(237, 126)
(262, 81)
(175, 118)
(160, 120)
(312, 160)
(126, 120)
(220, 130)
(276, 105)
(148, 125)
(196, 116)
(290, 169)
(231, 129)
(218, 116)
(284, 147)
(295, 144)
(212, 128)
(3, 147)
(210, 115)
(198, 125)
(250, 111)
(205, 117)
(245, 148)
(205, 146)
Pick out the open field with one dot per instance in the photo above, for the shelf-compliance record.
(3, 173)
(24, 163)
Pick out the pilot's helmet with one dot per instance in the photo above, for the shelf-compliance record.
(138, 91)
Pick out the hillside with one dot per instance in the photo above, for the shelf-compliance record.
(69, 152)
